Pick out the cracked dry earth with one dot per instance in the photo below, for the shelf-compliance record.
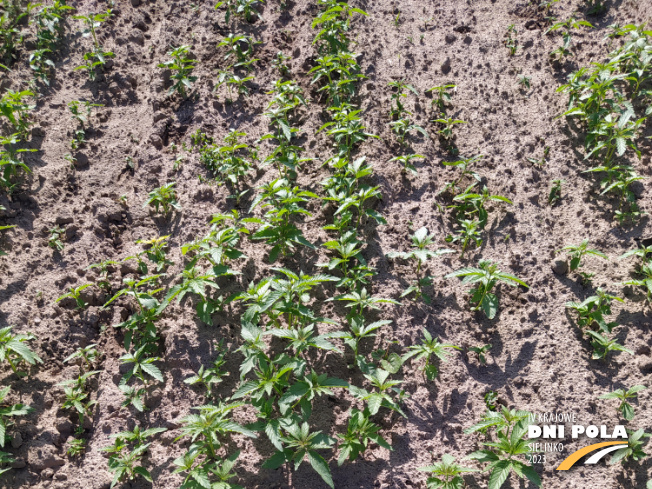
(539, 360)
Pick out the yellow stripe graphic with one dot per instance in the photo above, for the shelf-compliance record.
(575, 456)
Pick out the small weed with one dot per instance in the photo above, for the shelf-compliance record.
(480, 351)
(511, 39)
(555, 192)
(55, 241)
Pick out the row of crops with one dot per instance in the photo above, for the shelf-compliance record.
(297, 327)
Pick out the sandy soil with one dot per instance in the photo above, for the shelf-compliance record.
(539, 360)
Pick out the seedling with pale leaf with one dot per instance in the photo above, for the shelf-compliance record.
(429, 347)
(55, 240)
(420, 255)
(623, 395)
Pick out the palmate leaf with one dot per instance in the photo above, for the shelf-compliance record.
(3, 432)
(321, 467)
(525, 470)
(144, 473)
(627, 410)
(23, 350)
(499, 474)
(152, 370)
(490, 305)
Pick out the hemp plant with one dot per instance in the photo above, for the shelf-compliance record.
(75, 293)
(593, 310)
(502, 455)
(14, 349)
(182, 67)
(360, 432)
(511, 39)
(419, 255)
(441, 96)
(49, 21)
(281, 201)
(96, 58)
(81, 112)
(486, 277)
(244, 9)
(406, 161)
(165, 198)
(446, 474)
(426, 350)
(577, 252)
(127, 452)
(7, 413)
(623, 395)
(11, 163)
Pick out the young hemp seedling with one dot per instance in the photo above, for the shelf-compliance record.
(97, 57)
(55, 240)
(81, 112)
(594, 309)
(165, 197)
(481, 350)
(182, 67)
(503, 455)
(441, 96)
(14, 349)
(86, 357)
(244, 9)
(511, 41)
(7, 412)
(208, 377)
(406, 161)
(280, 63)
(200, 475)
(76, 397)
(427, 349)
(577, 252)
(75, 293)
(14, 107)
(10, 163)
(447, 474)
(448, 124)
(420, 255)
(524, 82)
(543, 160)
(634, 449)
(360, 431)
(486, 276)
(623, 395)
(228, 78)
(555, 192)
(127, 452)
